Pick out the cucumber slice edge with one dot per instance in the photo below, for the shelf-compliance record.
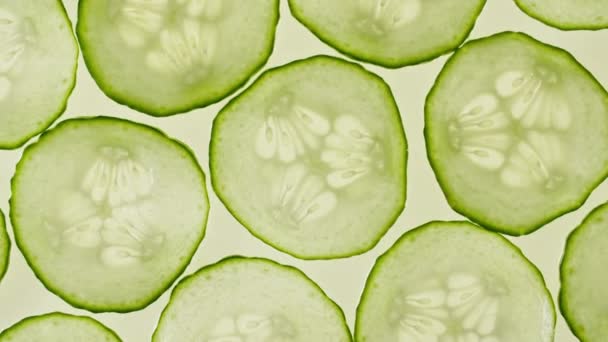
(58, 292)
(52, 118)
(326, 39)
(236, 258)
(512, 231)
(411, 233)
(4, 238)
(555, 24)
(261, 78)
(185, 109)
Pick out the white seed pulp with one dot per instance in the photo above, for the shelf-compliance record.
(386, 16)
(180, 36)
(16, 34)
(293, 133)
(250, 327)
(109, 210)
(515, 130)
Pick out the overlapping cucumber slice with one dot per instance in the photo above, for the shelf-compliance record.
(312, 157)
(391, 33)
(583, 296)
(454, 282)
(58, 327)
(163, 57)
(568, 14)
(516, 132)
(5, 246)
(108, 212)
(38, 59)
(241, 299)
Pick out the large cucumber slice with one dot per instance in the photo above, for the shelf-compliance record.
(58, 327)
(516, 132)
(38, 59)
(163, 57)
(454, 282)
(241, 299)
(390, 33)
(5, 246)
(108, 212)
(568, 14)
(583, 296)
(312, 158)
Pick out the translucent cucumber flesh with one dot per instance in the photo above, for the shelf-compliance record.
(183, 52)
(5, 246)
(507, 143)
(582, 294)
(568, 14)
(454, 282)
(319, 158)
(58, 327)
(108, 233)
(248, 299)
(391, 33)
(32, 95)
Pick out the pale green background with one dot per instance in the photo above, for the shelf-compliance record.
(21, 294)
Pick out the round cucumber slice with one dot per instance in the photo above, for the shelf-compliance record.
(164, 57)
(58, 327)
(240, 299)
(38, 60)
(568, 14)
(582, 296)
(5, 247)
(454, 282)
(515, 132)
(108, 212)
(390, 33)
(323, 145)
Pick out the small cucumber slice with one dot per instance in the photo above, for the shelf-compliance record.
(312, 158)
(390, 33)
(583, 296)
(58, 327)
(108, 212)
(38, 60)
(454, 282)
(5, 246)
(568, 14)
(240, 299)
(515, 132)
(164, 57)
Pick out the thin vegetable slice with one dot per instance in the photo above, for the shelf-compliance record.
(568, 14)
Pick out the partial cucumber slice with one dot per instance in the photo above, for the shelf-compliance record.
(243, 299)
(454, 282)
(568, 14)
(583, 294)
(390, 33)
(516, 132)
(5, 247)
(164, 57)
(38, 59)
(58, 327)
(312, 158)
(107, 212)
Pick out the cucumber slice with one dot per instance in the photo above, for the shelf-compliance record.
(58, 327)
(32, 93)
(454, 282)
(108, 212)
(515, 132)
(164, 57)
(568, 14)
(323, 145)
(240, 299)
(390, 33)
(582, 297)
(5, 247)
